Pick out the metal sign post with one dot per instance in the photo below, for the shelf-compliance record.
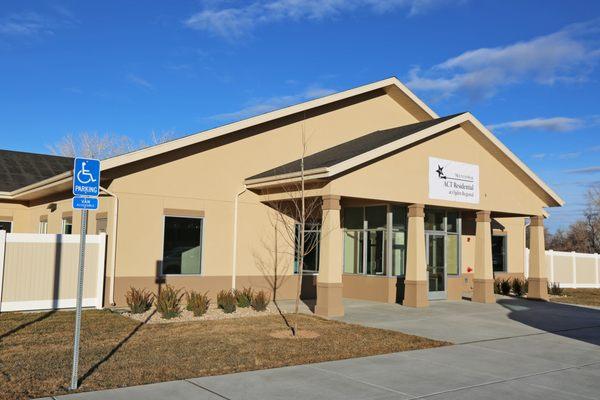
(86, 185)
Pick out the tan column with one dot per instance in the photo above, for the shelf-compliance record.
(538, 281)
(415, 283)
(329, 281)
(483, 282)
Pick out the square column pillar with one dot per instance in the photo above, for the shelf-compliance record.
(483, 282)
(331, 252)
(538, 281)
(415, 283)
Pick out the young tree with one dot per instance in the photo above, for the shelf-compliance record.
(291, 216)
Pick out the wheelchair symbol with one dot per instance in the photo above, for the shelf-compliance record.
(85, 173)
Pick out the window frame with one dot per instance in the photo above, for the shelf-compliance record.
(446, 233)
(44, 224)
(504, 237)
(317, 247)
(202, 229)
(64, 224)
(8, 222)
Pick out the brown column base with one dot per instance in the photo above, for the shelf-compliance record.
(329, 300)
(415, 294)
(483, 291)
(538, 289)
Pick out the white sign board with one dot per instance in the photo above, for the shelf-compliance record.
(453, 181)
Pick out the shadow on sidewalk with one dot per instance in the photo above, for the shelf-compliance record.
(557, 318)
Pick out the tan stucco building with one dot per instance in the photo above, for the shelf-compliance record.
(411, 207)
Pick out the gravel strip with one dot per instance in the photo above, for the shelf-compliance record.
(213, 313)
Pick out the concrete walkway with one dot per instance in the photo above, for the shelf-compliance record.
(512, 349)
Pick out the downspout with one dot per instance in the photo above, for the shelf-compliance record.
(113, 257)
(526, 255)
(235, 220)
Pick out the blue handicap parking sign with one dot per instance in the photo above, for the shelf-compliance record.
(85, 203)
(86, 177)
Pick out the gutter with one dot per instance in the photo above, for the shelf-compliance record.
(235, 228)
(113, 257)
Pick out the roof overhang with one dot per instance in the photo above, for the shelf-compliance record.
(368, 156)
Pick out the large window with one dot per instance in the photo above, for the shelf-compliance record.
(367, 248)
(6, 226)
(312, 237)
(182, 245)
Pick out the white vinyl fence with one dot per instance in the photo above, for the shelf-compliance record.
(39, 271)
(571, 269)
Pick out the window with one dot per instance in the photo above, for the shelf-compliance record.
(67, 225)
(499, 253)
(375, 240)
(6, 226)
(312, 236)
(182, 245)
(101, 224)
(43, 228)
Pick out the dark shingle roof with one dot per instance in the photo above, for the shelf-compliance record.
(352, 148)
(19, 169)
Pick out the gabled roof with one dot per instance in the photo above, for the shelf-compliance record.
(353, 148)
(19, 169)
(392, 86)
(326, 164)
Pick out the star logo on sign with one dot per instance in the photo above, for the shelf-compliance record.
(440, 172)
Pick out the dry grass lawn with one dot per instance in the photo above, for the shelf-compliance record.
(586, 297)
(36, 349)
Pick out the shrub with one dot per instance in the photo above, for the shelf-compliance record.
(226, 301)
(518, 286)
(505, 286)
(525, 286)
(197, 303)
(498, 286)
(168, 302)
(260, 301)
(555, 289)
(139, 300)
(244, 297)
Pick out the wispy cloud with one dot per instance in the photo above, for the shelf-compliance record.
(29, 24)
(553, 124)
(264, 105)
(564, 56)
(139, 81)
(24, 24)
(587, 170)
(235, 22)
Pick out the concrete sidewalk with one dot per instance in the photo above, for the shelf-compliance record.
(513, 349)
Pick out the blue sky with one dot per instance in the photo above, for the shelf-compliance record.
(529, 70)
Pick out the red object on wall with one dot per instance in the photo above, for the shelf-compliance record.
(469, 269)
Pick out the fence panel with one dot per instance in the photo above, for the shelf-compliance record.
(39, 271)
(571, 269)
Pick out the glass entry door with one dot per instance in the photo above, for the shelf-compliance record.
(436, 265)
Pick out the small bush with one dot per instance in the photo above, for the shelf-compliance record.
(260, 301)
(139, 300)
(226, 301)
(244, 297)
(498, 286)
(525, 286)
(505, 286)
(518, 286)
(168, 302)
(555, 289)
(197, 303)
